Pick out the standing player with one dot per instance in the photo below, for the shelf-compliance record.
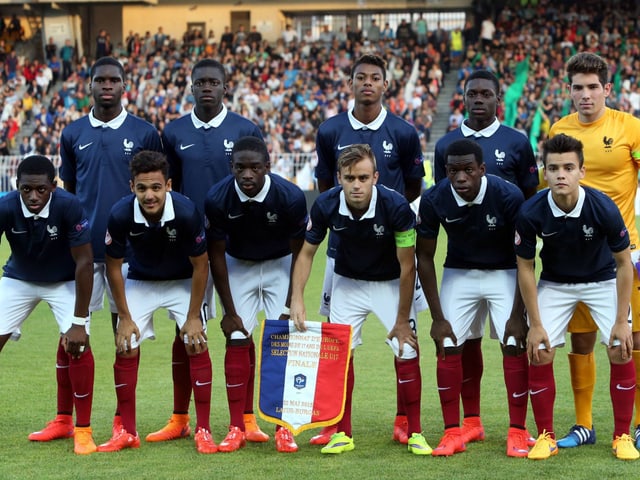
(585, 258)
(611, 142)
(51, 261)
(198, 147)
(96, 151)
(478, 212)
(396, 146)
(508, 154)
(374, 273)
(168, 268)
(256, 223)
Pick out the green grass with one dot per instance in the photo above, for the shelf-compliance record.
(27, 401)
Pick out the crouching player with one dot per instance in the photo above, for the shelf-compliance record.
(255, 228)
(51, 260)
(374, 273)
(585, 258)
(168, 268)
(478, 212)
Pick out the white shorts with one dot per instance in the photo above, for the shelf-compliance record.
(101, 286)
(558, 301)
(258, 286)
(354, 299)
(467, 296)
(209, 303)
(419, 299)
(145, 297)
(18, 299)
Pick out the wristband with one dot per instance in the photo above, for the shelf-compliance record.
(80, 321)
(286, 311)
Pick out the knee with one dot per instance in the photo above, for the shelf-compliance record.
(582, 343)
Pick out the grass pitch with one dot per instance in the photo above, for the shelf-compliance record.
(27, 400)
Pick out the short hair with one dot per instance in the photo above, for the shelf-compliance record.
(107, 61)
(355, 153)
(251, 144)
(147, 161)
(465, 146)
(210, 62)
(369, 59)
(486, 75)
(562, 143)
(586, 62)
(36, 165)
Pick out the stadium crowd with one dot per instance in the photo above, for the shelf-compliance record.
(289, 87)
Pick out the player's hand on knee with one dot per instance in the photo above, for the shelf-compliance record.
(622, 333)
(125, 332)
(518, 329)
(232, 322)
(195, 338)
(404, 334)
(536, 337)
(75, 340)
(440, 330)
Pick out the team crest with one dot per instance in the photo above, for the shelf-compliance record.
(172, 234)
(300, 381)
(379, 229)
(272, 217)
(491, 222)
(128, 146)
(588, 232)
(228, 146)
(53, 232)
(387, 147)
(500, 156)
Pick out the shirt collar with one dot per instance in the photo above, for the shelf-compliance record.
(213, 123)
(44, 213)
(485, 132)
(370, 213)
(113, 124)
(476, 201)
(558, 212)
(262, 194)
(168, 213)
(375, 125)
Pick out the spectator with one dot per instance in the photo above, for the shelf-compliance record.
(50, 49)
(101, 44)
(66, 54)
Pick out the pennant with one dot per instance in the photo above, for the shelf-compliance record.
(303, 375)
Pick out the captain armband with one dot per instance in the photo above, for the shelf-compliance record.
(406, 238)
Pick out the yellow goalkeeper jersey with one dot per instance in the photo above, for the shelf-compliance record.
(611, 158)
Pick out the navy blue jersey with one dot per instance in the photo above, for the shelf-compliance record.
(366, 249)
(256, 230)
(507, 153)
(97, 159)
(479, 235)
(41, 247)
(576, 247)
(201, 157)
(159, 251)
(394, 142)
